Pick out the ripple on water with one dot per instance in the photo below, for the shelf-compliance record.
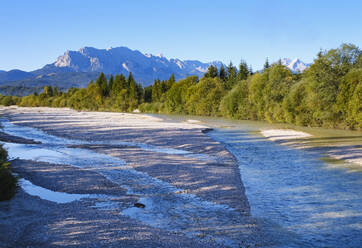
(321, 205)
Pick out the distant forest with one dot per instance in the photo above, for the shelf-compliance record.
(327, 94)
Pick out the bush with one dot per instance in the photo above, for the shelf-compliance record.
(8, 185)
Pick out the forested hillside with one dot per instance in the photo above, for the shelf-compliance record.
(327, 94)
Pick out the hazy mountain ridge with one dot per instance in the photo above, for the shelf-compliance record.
(13, 75)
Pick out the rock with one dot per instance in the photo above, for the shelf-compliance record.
(139, 205)
(206, 130)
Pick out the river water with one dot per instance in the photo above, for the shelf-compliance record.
(316, 204)
(303, 199)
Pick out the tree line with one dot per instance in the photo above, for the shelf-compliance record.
(327, 94)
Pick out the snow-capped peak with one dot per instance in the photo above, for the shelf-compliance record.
(295, 65)
(285, 61)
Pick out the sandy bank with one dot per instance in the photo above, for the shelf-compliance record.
(283, 134)
(303, 140)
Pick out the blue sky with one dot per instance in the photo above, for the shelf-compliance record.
(35, 33)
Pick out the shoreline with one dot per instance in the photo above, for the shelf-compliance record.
(302, 140)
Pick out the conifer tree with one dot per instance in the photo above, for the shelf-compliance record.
(116, 86)
(222, 73)
(55, 91)
(266, 64)
(131, 86)
(123, 81)
(148, 94)
(139, 93)
(170, 81)
(243, 71)
(211, 72)
(156, 91)
(110, 84)
(172, 78)
(102, 84)
(231, 70)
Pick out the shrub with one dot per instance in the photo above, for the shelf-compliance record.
(8, 183)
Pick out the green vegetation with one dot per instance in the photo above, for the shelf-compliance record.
(8, 183)
(328, 94)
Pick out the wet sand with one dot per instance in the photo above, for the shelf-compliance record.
(40, 223)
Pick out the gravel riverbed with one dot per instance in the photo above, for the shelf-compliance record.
(202, 177)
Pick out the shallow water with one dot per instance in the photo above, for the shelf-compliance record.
(49, 195)
(51, 140)
(303, 200)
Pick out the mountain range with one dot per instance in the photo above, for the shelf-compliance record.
(77, 68)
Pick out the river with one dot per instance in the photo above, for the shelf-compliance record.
(301, 199)
(295, 192)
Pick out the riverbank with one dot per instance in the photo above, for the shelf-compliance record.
(351, 153)
(190, 184)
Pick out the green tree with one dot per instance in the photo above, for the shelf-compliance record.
(211, 72)
(56, 91)
(110, 84)
(236, 102)
(132, 91)
(48, 91)
(204, 97)
(156, 91)
(148, 94)
(171, 81)
(119, 83)
(177, 96)
(266, 64)
(349, 99)
(222, 73)
(296, 105)
(243, 71)
(102, 84)
(325, 77)
(277, 87)
(231, 70)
